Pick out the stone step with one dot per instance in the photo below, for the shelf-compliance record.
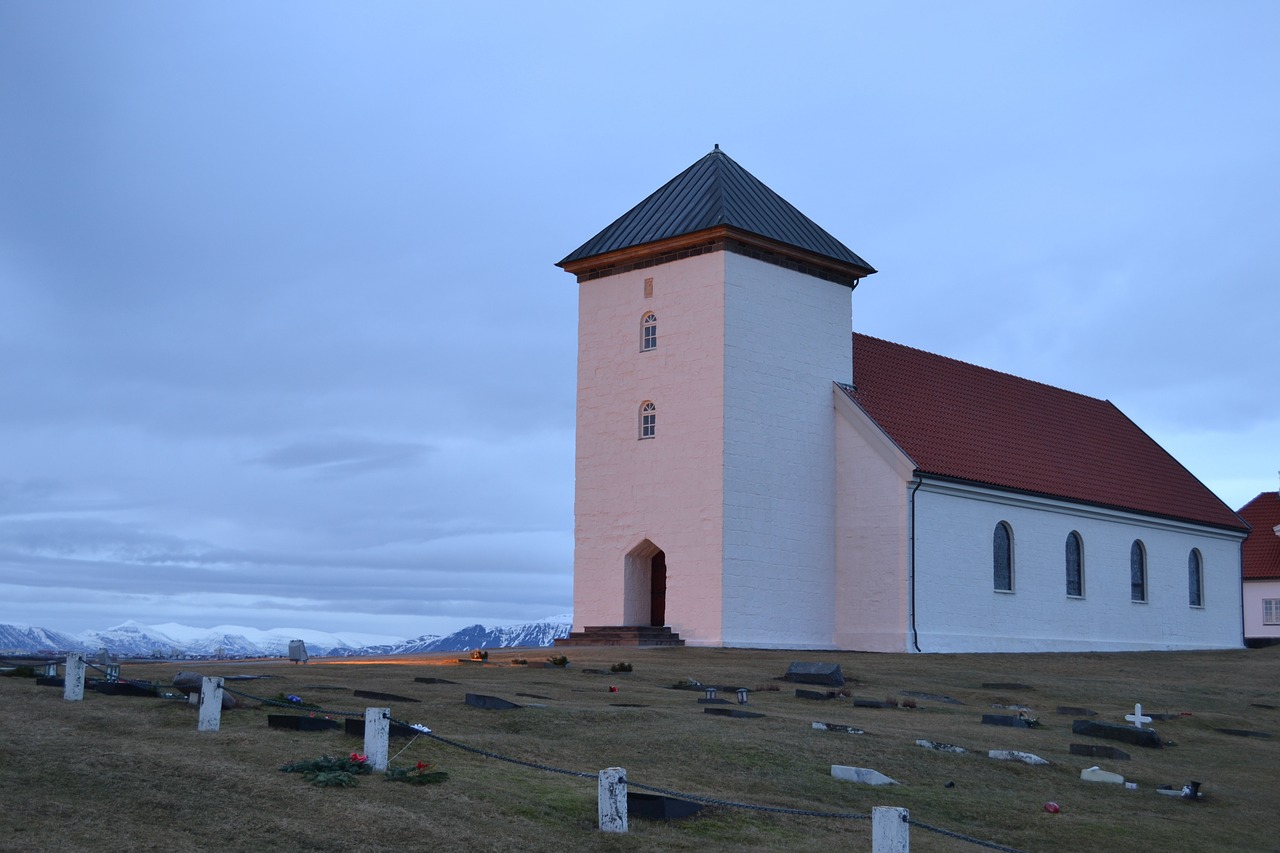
(621, 635)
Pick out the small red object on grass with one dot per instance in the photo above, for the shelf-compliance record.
(613, 690)
(1052, 808)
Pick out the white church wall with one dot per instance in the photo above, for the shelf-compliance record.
(871, 593)
(957, 609)
(667, 489)
(787, 337)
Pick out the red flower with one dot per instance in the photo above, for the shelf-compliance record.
(355, 756)
(422, 766)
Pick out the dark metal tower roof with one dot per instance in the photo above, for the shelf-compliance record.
(716, 192)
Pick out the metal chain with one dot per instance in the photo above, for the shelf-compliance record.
(279, 704)
(990, 845)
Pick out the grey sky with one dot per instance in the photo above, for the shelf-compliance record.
(281, 337)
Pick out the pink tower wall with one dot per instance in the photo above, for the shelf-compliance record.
(669, 489)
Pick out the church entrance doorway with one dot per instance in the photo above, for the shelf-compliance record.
(645, 586)
(658, 590)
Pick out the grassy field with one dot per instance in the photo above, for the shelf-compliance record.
(119, 773)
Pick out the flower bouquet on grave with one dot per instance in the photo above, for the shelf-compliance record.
(420, 774)
(330, 772)
(291, 701)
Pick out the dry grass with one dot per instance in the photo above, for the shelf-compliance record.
(135, 774)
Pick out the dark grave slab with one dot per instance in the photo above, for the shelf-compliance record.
(293, 722)
(718, 701)
(1162, 718)
(1244, 733)
(811, 694)
(323, 687)
(872, 703)
(127, 688)
(1072, 711)
(930, 697)
(1124, 734)
(658, 807)
(434, 681)
(731, 712)
(1267, 707)
(592, 671)
(626, 705)
(385, 697)
(1004, 720)
(251, 678)
(470, 660)
(813, 672)
(1098, 750)
(51, 681)
(1006, 685)
(490, 703)
(533, 696)
(354, 727)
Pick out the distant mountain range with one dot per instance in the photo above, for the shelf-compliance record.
(134, 640)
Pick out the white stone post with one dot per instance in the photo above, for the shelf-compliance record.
(377, 729)
(210, 705)
(73, 684)
(890, 832)
(612, 800)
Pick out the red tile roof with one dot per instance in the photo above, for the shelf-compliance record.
(959, 421)
(1261, 551)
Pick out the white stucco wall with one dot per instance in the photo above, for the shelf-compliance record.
(668, 489)
(957, 609)
(787, 337)
(872, 488)
(1254, 592)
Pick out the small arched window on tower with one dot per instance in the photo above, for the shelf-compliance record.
(1002, 557)
(1195, 579)
(1138, 571)
(648, 332)
(648, 419)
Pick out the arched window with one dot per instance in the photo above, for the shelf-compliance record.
(648, 419)
(1002, 557)
(1075, 570)
(1195, 579)
(648, 332)
(1138, 571)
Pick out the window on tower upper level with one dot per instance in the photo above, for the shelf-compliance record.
(648, 332)
(648, 419)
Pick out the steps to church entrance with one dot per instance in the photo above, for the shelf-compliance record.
(621, 635)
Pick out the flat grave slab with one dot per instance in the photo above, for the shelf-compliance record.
(354, 727)
(942, 747)
(838, 727)
(490, 703)
(732, 712)
(872, 703)
(127, 688)
(434, 681)
(861, 775)
(814, 672)
(385, 697)
(717, 701)
(1098, 750)
(1014, 755)
(1073, 711)
(1005, 720)
(658, 807)
(1244, 733)
(930, 697)
(293, 722)
(1111, 731)
(1006, 685)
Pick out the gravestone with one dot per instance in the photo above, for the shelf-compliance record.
(807, 672)
(1006, 685)
(1137, 717)
(298, 651)
(1005, 720)
(1097, 774)
(811, 694)
(190, 684)
(1097, 750)
(837, 727)
(942, 747)
(732, 712)
(354, 727)
(1014, 755)
(385, 697)
(434, 681)
(659, 807)
(861, 775)
(293, 722)
(1111, 731)
(490, 703)
(1072, 711)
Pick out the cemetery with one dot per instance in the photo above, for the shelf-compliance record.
(707, 749)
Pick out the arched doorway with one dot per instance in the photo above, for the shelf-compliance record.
(658, 589)
(645, 585)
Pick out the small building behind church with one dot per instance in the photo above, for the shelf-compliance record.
(1260, 556)
(750, 473)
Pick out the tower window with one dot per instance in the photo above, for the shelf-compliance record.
(648, 419)
(649, 332)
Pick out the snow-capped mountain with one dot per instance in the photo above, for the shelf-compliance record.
(133, 639)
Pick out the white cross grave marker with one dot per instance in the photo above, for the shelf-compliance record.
(1136, 717)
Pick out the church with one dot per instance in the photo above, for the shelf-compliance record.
(751, 473)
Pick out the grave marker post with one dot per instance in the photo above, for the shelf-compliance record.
(612, 800)
(377, 730)
(73, 684)
(1136, 717)
(890, 830)
(210, 705)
